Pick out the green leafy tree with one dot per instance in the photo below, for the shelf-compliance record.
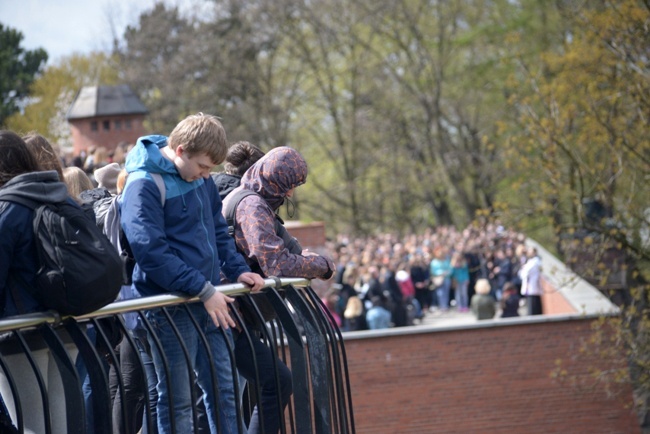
(227, 61)
(161, 58)
(400, 105)
(450, 63)
(333, 123)
(52, 93)
(18, 69)
(249, 77)
(580, 153)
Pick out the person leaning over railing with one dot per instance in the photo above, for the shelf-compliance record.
(274, 179)
(181, 246)
(19, 171)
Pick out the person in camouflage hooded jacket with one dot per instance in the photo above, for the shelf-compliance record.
(274, 177)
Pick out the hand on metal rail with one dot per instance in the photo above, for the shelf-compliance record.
(252, 280)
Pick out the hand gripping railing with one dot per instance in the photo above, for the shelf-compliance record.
(69, 374)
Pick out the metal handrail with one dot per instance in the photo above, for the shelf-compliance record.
(131, 305)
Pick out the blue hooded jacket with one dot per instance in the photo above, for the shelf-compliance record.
(185, 244)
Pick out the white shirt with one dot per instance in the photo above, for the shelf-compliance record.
(530, 274)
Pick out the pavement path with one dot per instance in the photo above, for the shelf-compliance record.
(453, 317)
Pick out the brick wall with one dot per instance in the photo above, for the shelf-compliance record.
(492, 378)
(84, 137)
(310, 235)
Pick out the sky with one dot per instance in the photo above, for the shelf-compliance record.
(64, 27)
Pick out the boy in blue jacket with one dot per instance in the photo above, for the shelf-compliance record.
(181, 246)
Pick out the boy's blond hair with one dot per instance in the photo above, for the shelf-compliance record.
(201, 133)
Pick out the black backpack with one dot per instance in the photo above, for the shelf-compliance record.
(79, 270)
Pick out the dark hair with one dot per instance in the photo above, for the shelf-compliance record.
(241, 156)
(15, 157)
(44, 152)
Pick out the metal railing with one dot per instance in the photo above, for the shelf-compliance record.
(84, 362)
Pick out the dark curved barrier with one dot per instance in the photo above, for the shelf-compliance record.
(72, 369)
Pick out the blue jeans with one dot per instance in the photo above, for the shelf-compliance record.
(152, 379)
(443, 294)
(225, 403)
(462, 300)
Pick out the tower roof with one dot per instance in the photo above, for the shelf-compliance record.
(93, 101)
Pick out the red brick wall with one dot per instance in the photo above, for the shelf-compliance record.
(83, 137)
(310, 235)
(481, 380)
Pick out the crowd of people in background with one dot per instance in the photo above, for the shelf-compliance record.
(391, 281)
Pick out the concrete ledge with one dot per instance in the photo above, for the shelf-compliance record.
(471, 324)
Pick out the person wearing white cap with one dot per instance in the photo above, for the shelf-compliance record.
(106, 177)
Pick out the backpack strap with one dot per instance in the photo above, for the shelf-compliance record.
(230, 211)
(160, 183)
